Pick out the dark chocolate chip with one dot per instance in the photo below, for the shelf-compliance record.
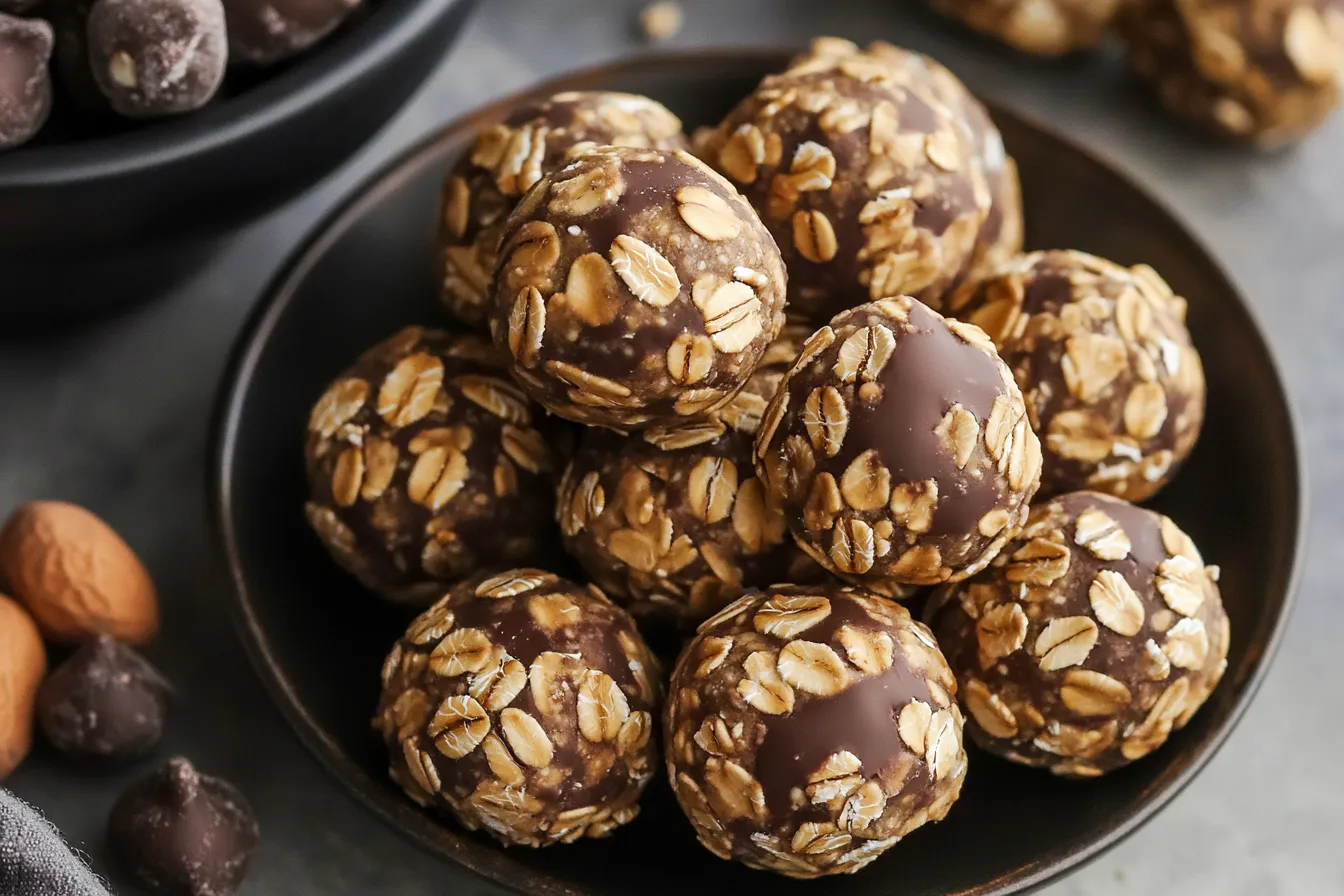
(181, 833)
(157, 57)
(105, 702)
(25, 84)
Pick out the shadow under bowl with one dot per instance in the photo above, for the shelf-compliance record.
(318, 640)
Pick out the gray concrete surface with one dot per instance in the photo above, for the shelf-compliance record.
(116, 418)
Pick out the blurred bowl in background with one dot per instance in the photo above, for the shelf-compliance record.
(90, 224)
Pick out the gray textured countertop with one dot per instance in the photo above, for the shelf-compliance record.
(116, 418)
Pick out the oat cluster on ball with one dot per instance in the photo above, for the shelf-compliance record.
(871, 183)
(810, 729)
(509, 157)
(1000, 235)
(523, 704)
(635, 288)
(899, 447)
(1266, 71)
(426, 463)
(1112, 382)
(673, 523)
(1041, 27)
(1095, 634)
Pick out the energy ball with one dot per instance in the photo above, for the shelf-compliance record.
(899, 448)
(870, 182)
(1000, 236)
(1265, 71)
(809, 729)
(1041, 27)
(508, 158)
(25, 84)
(152, 58)
(426, 465)
(1113, 386)
(635, 288)
(266, 31)
(523, 704)
(1091, 637)
(673, 523)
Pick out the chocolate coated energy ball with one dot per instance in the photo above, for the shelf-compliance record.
(524, 704)
(635, 288)
(25, 85)
(870, 182)
(1000, 236)
(180, 833)
(1260, 70)
(265, 31)
(899, 448)
(673, 523)
(1042, 27)
(809, 729)
(425, 464)
(1095, 633)
(1113, 386)
(106, 702)
(153, 58)
(508, 158)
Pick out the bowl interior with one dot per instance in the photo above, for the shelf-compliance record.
(318, 639)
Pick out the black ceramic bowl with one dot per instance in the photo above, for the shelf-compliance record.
(99, 221)
(318, 640)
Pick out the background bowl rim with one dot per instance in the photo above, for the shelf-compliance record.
(408, 819)
(336, 61)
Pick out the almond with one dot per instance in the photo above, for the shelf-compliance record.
(76, 576)
(23, 663)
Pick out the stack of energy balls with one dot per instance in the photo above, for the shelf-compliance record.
(782, 436)
(1264, 71)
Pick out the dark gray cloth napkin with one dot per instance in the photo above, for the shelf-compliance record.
(34, 860)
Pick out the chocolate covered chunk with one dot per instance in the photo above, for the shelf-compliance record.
(153, 58)
(25, 83)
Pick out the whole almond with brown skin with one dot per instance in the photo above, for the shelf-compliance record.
(76, 576)
(23, 663)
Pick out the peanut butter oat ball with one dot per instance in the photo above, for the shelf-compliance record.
(1265, 71)
(869, 181)
(1041, 27)
(426, 464)
(673, 523)
(1113, 386)
(635, 288)
(1000, 236)
(523, 704)
(809, 729)
(899, 448)
(1096, 632)
(508, 158)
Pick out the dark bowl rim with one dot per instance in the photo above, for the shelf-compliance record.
(279, 292)
(333, 66)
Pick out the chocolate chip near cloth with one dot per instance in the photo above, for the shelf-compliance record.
(34, 860)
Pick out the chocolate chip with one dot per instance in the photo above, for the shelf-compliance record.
(181, 833)
(157, 57)
(25, 85)
(105, 702)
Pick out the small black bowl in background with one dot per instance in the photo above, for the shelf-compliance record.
(89, 224)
